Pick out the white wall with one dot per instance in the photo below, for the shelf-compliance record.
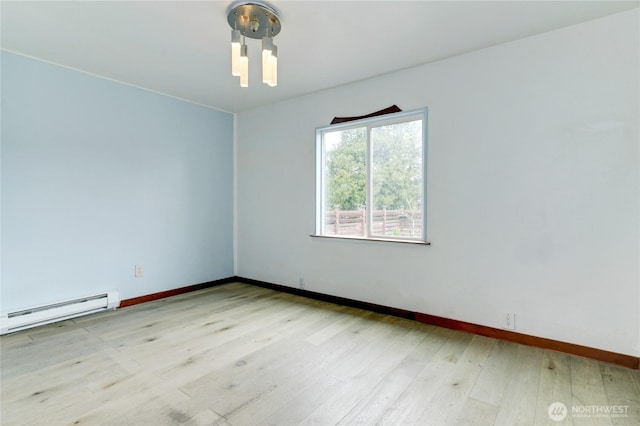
(533, 189)
(97, 177)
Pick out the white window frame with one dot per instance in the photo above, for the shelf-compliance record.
(369, 123)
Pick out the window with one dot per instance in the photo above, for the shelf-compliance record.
(371, 178)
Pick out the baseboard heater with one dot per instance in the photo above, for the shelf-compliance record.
(46, 314)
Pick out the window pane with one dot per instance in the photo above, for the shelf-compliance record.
(396, 173)
(345, 182)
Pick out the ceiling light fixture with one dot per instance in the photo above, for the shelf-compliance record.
(255, 20)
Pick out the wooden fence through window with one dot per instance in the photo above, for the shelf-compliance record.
(396, 223)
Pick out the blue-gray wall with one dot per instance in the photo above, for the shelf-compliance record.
(98, 176)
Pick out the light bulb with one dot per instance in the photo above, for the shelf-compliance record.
(235, 52)
(273, 65)
(267, 48)
(244, 66)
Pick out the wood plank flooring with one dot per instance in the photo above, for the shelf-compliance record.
(240, 355)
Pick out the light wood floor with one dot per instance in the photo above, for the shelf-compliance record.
(243, 355)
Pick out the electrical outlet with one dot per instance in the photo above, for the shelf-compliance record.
(139, 270)
(509, 321)
(301, 283)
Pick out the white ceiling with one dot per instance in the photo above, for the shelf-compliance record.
(182, 48)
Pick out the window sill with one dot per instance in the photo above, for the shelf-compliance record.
(384, 240)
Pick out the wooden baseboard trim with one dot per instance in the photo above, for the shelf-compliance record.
(511, 336)
(174, 292)
(402, 313)
(538, 342)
